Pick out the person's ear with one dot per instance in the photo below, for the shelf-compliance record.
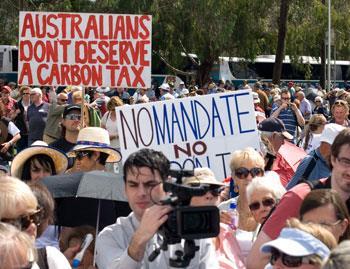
(344, 225)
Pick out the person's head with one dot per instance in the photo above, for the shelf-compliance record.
(303, 246)
(164, 88)
(17, 249)
(300, 95)
(143, 173)
(77, 97)
(71, 119)
(18, 205)
(275, 131)
(245, 165)
(263, 193)
(24, 92)
(285, 96)
(330, 131)
(36, 95)
(316, 123)
(339, 257)
(92, 150)
(5, 93)
(318, 101)
(340, 163)
(38, 161)
(325, 207)
(340, 111)
(46, 205)
(205, 178)
(113, 103)
(62, 98)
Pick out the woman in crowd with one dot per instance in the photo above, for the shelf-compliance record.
(37, 162)
(303, 246)
(313, 132)
(319, 107)
(226, 245)
(326, 208)
(16, 248)
(19, 207)
(245, 165)
(340, 113)
(263, 193)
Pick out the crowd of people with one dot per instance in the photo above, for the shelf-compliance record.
(288, 217)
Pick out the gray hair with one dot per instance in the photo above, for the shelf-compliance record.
(339, 257)
(270, 182)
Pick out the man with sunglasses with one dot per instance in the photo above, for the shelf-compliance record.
(129, 242)
(290, 203)
(53, 130)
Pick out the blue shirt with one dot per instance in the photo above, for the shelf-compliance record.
(320, 170)
(288, 117)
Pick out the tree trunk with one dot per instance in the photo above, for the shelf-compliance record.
(323, 64)
(282, 30)
(204, 71)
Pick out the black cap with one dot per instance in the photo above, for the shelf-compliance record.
(274, 125)
(69, 108)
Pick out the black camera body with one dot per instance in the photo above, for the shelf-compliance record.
(188, 222)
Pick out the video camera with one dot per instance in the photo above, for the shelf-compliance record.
(185, 221)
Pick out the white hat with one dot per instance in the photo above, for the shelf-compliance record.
(95, 139)
(295, 242)
(330, 131)
(203, 175)
(59, 159)
(36, 90)
(256, 98)
(165, 87)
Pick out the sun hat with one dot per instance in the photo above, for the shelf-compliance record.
(274, 125)
(95, 139)
(295, 242)
(59, 159)
(165, 87)
(330, 131)
(203, 175)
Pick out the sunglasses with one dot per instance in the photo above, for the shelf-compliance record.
(23, 222)
(73, 117)
(340, 102)
(268, 202)
(243, 172)
(81, 154)
(26, 93)
(285, 98)
(213, 189)
(289, 261)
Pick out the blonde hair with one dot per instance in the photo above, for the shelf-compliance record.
(77, 94)
(114, 102)
(248, 154)
(316, 230)
(269, 183)
(14, 194)
(14, 244)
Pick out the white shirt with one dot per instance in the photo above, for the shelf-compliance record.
(112, 249)
(55, 259)
(112, 128)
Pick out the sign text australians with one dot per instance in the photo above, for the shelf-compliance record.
(84, 49)
(192, 132)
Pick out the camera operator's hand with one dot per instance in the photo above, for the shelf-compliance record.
(152, 219)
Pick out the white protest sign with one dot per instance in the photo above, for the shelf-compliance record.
(192, 132)
(84, 49)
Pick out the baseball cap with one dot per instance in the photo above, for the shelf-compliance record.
(295, 242)
(330, 131)
(274, 125)
(165, 87)
(69, 108)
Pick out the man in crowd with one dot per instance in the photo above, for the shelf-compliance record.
(289, 113)
(314, 165)
(37, 116)
(290, 203)
(129, 242)
(165, 92)
(305, 106)
(264, 100)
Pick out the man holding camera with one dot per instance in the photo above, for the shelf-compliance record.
(289, 113)
(129, 242)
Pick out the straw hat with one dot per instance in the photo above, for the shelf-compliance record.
(95, 139)
(202, 175)
(39, 147)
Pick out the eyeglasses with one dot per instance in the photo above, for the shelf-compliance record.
(81, 154)
(289, 261)
(268, 202)
(345, 162)
(73, 117)
(286, 98)
(25, 93)
(24, 221)
(243, 172)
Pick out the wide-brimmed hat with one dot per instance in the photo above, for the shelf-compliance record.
(295, 242)
(95, 139)
(202, 176)
(3, 132)
(59, 159)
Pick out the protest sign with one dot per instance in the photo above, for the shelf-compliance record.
(84, 49)
(199, 131)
